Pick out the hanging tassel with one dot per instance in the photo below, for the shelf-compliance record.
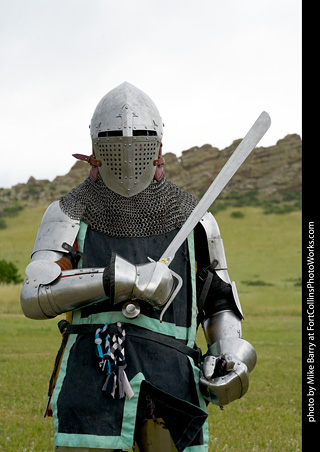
(124, 385)
(113, 362)
(95, 163)
(110, 385)
(159, 163)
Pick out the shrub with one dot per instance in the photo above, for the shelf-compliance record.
(237, 214)
(257, 283)
(9, 273)
(3, 223)
(11, 211)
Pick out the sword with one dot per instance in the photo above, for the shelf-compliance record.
(243, 150)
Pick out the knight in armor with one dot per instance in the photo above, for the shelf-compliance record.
(129, 375)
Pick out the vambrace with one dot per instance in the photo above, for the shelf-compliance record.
(217, 291)
(229, 360)
(48, 291)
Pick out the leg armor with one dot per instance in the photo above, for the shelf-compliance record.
(153, 436)
(226, 365)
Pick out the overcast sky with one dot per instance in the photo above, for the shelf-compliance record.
(210, 66)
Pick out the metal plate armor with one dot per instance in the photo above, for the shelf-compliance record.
(56, 227)
(126, 131)
(217, 253)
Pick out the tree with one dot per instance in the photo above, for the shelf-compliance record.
(9, 273)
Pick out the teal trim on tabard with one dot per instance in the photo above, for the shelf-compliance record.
(76, 317)
(201, 448)
(170, 329)
(82, 235)
(203, 406)
(62, 373)
(126, 438)
(81, 238)
(130, 410)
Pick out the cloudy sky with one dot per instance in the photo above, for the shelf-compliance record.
(210, 66)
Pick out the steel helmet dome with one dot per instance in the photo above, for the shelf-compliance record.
(126, 131)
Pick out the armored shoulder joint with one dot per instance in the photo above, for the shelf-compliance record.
(55, 229)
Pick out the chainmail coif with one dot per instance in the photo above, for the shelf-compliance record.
(160, 208)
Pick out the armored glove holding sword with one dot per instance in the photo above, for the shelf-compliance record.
(137, 264)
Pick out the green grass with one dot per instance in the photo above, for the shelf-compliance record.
(264, 258)
(265, 248)
(17, 239)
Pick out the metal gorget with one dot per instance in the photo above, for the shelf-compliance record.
(160, 208)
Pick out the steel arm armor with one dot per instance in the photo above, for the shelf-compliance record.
(48, 291)
(70, 290)
(214, 256)
(226, 366)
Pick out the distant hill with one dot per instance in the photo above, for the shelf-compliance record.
(271, 172)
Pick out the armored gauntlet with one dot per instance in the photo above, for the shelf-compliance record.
(228, 362)
(151, 282)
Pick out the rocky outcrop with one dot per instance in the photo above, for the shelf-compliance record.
(271, 171)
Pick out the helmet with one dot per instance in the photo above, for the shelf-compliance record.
(126, 131)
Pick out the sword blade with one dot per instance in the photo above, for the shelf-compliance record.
(243, 150)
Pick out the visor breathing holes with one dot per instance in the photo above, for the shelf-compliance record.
(125, 160)
(111, 155)
(145, 154)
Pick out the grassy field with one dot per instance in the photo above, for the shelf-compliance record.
(264, 258)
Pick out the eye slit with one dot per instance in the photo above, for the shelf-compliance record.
(110, 133)
(144, 133)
